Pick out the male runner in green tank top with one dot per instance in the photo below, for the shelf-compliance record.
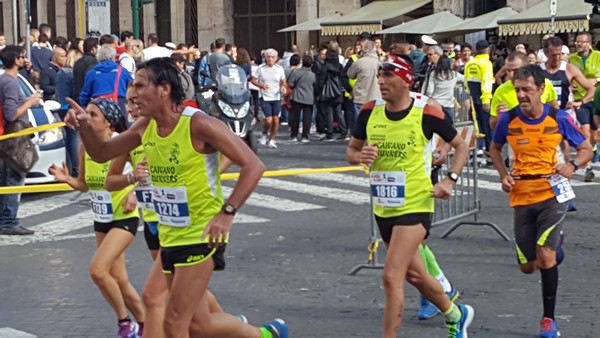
(182, 146)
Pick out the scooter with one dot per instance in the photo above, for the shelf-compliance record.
(229, 101)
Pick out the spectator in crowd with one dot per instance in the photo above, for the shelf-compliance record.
(330, 76)
(104, 77)
(77, 43)
(125, 36)
(365, 70)
(243, 60)
(154, 50)
(83, 65)
(218, 58)
(379, 46)
(64, 89)
(302, 81)
(566, 53)
(531, 57)
(254, 90)
(320, 120)
(14, 107)
(270, 78)
(400, 48)
(26, 70)
(126, 59)
(62, 42)
(434, 53)
(186, 79)
(465, 56)
(108, 39)
(441, 84)
(46, 29)
(138, 54)
(48, 76)
(348, 84)
(2, 41)
(34, 34)
(541, 56)
(479, 81)
(419, 55)
(231, 51)
(285, 60)
(41, 54)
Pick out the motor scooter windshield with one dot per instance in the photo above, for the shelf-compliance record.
(232, 84)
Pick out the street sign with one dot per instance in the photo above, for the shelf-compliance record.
(553, 7)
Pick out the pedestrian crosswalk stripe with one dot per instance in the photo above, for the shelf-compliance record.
(272, 202)
(54, 202)
(9, 332)
(342, 195)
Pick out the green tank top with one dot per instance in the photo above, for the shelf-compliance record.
(143, 191)
(187, 192)
(400, 176)
(107, 206)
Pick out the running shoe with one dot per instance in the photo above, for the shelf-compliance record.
(427, 309)
(128, 329)
(560, 252)
(548, 328)
(242, 318)
(272, 144)
(589, 174)
(304, 140)
(453, 294)
(459, 329)
(263, 139)
(571, 206)
(596, 157)
(277, 328)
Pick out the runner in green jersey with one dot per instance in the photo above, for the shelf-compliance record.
(182, 146)
(115, 222)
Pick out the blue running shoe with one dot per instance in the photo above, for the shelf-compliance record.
(548, 328)
(277, 328)
(596, 157)
(427, 309)
(459, 329)
(571, 206)
(560, 252)
(453, 294)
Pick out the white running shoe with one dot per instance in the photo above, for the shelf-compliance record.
(272, 144)
(263, 139)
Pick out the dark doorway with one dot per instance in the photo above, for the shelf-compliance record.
(256, 23)
(163, 21)
(475, 8)
(71, 21)
(114, 17)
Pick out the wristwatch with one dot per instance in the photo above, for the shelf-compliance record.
(575, 164)
(229, 209)
(453, 176)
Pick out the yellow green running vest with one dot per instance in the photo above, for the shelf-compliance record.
(143, 193)
(187, 192)
(107, 206)
(400, 176)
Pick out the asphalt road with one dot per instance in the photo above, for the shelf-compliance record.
(289, 257)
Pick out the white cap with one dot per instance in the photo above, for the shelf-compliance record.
(565, 49)
(170, 45)
(428, 40)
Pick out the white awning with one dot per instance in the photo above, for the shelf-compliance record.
(479, 23)
(426, 25)
(371, 17)
(572, 16)
(310, 25)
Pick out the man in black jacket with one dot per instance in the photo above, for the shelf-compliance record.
(48, 76)
(83, 65)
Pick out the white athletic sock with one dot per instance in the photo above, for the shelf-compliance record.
(444, 281)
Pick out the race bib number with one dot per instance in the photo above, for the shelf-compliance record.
(144, 197)
(387, 188)
(171, 206)
(561, 187)
(102, 206)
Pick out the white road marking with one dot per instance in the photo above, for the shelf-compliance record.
(9, 332)
(343, 195)
(44, 205)
(275, 203)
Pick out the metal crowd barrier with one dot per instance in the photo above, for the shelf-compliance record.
(463, 203)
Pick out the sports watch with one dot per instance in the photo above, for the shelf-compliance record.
(453, 176)
(229, 209)
(575, 164)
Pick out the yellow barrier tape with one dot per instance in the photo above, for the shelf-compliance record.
(32, 130)
(51, 187)
(373, 250)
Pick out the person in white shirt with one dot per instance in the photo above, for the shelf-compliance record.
(154, 50)
(126, 59)
(270, 79)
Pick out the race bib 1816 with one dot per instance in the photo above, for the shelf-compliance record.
(387, 188)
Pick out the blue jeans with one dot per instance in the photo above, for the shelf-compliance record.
(71, 146)
(9, 203)
(483, 120)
